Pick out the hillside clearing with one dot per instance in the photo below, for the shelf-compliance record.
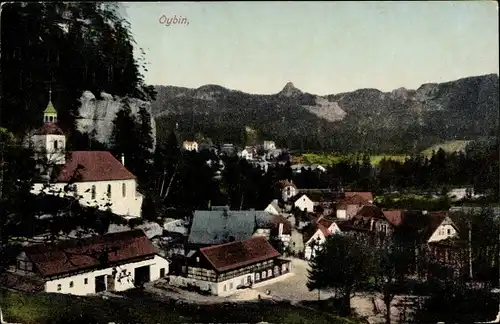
(329, 159)
(448, 147)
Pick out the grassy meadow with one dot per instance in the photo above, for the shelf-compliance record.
(328, 158)
(57, 308)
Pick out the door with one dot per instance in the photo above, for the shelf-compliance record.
(100, 284)
(110, 283)
(141, 275)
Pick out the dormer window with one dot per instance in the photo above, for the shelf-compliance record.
(55, 143)
(24, 265)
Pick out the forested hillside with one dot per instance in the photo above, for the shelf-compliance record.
(368, 120)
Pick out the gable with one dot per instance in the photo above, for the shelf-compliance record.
(303, 200)
(334, 228)
(270, 208)
(315, 236)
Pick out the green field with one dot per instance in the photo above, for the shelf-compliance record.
(448, 147)
(58, 308)
(328, 159)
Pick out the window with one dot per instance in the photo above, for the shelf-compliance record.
(230, 285)
(162, 272)
(249, 279)
(59, 287)
(55, 145)
(448, 231)
(24, 265)
(263, 275)
(71, 284)
(93, 191)
(109, 191)
(85, 281)
(124, 189)
(269, 273)
(225, 288)
(51, 118)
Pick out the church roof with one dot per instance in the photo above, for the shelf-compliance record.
(50, 109)
(88, 166)
(49, 129)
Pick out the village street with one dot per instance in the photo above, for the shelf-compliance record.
(290, 287)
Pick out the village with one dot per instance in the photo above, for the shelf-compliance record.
(212, 255)
(249, 165)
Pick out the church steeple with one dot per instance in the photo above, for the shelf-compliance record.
(50, 113)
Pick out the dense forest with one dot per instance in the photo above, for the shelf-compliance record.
(65, 48)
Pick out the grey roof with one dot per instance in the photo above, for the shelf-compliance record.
(217, 226)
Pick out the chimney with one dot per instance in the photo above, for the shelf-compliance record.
(123, 159)
(280, 230)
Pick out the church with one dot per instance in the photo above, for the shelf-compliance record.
(97, 177)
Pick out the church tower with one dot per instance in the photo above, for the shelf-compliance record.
(49, 140)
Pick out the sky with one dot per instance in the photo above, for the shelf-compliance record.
(322, 47)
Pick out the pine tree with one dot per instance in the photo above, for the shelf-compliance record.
(125, 137)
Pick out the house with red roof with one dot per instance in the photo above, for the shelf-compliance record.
(351, 204)
(97, 177)
(316, 235)
(111, 262)
(225, 268)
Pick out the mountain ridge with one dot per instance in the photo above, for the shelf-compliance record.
(424, 116)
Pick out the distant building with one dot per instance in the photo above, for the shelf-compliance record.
(269, 145)
(228, 149)
(246, 154)
(190, 146)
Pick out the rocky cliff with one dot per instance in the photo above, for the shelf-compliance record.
(97, 115)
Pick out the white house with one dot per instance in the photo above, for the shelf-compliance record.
(97, 177)
(269, 145)
(287, 189)
(273, 227)
(304, 203)
(246, 154)
(316, 236)
(190, 146)
(224, 269)
(111, 262)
